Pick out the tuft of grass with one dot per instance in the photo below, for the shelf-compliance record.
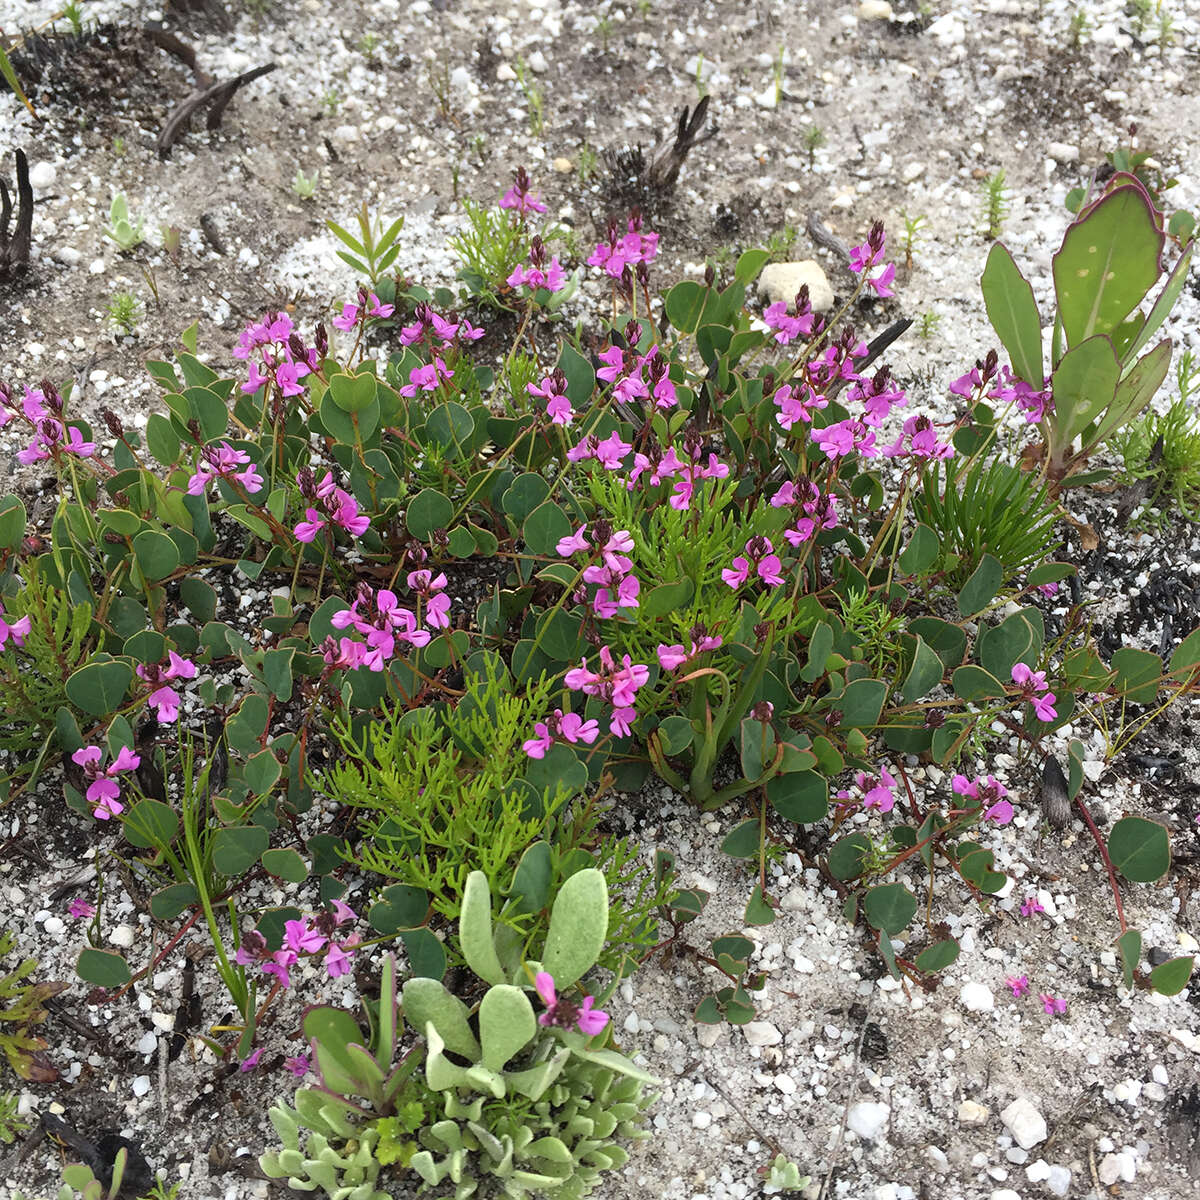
(123, 310)
(996, 203)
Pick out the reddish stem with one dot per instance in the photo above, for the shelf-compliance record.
(1112, 874)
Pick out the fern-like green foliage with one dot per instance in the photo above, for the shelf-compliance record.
(1164, 450)
(998, 510)
(447, 789)
(33, 677)
(21, 1008)
(488, 250)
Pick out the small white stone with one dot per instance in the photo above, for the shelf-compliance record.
(537, 63)
(141, 1085)
(701, 1119)
(632, 1024)
(123, 936)
(163, 1021)
(786, 1084)
(972, 1114)
(761, 1033)
(913, 171)
(949, 30)
(708, 1035)
(505, 73)
(976, 997)
(1058, 1182)
(54, 926)
(874, 10)
(1025, 1123)
(42, 175)
(1063, 152)
(147, 1043)
(768, 97)
(781, 281)
(935, 1156)
(867, 1118)
(1159, 1074)
(1004, 1194)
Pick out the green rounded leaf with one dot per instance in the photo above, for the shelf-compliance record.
(921, 552)
(1140, 849)
(800, 796)
(168, 902)
(353, 393)
(938, 956)
(429, 510)
(103, 968)
(13, 520)
(742, 841)
(675, 734)
(578, 926)
(980, 590)
(889, 908)
(238, 848)
(285, 864)
(506, 1024)
(924, 674)
(862, 702)
(846, 856)
(973, 683)
(545, 527)
(150, 823)
(399, 907)
(99, 687)
(1170, 978)
(261, 772)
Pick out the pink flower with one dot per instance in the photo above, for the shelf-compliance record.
(222, 462)
(250, 1062)
(1052, 1004)
(298, 1065)
(1031, 906)
(565, 1013)
(1018, 983)
(81, 908)
(337, 957)
(880, 793)
(104, 792)
(1043, 707)
(302, 937)
(18, 630)
(519, 198)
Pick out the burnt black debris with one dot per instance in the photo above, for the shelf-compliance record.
(14, 250)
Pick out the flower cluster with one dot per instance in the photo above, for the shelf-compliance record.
(870, 255)
(674, 656)
(1036, 691)
(616, 586)
(310, 937)
(42, 407)
(1033, 403)
(786, 329)
(617, 686)
(637, 376)
(162, 697)
(874, 791)
(369, 305)
(440, 335)
(566, 1014)
(655, 462)
(919, 440)
(379, 617)
(274, 352)
(520, 199)
(989, 793)
(553, 390)
(973, 384)
(760, 559)
(622, 251)
(570, 727)
(224, 462)
(341, 508)
(812, 510)
(539, 274)
(104, 792)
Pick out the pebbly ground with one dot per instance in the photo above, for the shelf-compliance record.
(877, 1093)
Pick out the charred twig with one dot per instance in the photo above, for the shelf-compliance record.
(213, 96)
(667, 158)
(14, 251)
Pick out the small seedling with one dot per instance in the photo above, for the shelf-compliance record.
(172, 240)
(127, 233)
(928, 324)
(778, 74)
(701, 90)
(118, 146)
(368, 44)
(437, 72)
(478, 145)
(1166, 28)
(995, 197)
(123, 310)
(780, 244)
(534, 97)
(1078, 26)
(589, 161)
(908, 243)
(305, 186)
(73, 11)
(603, 31)
(814, 139)
(332, 100)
